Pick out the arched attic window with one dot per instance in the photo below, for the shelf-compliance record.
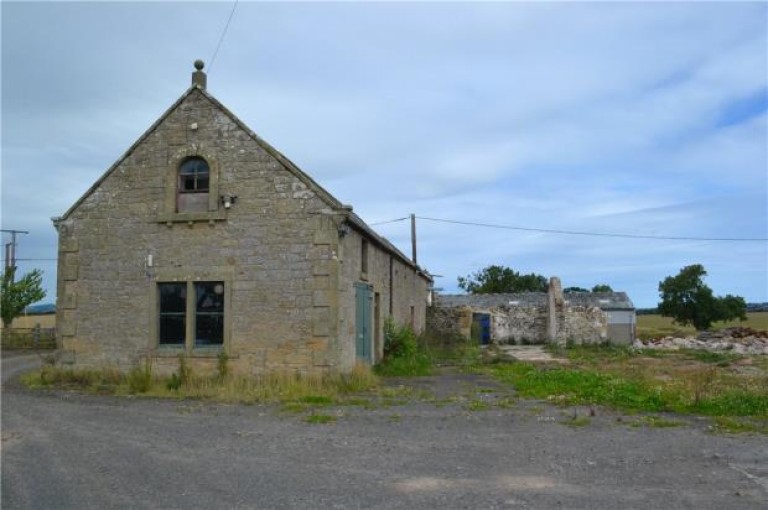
(193, 185)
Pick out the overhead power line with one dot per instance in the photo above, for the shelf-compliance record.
(389, 221)
(221, 39)
(598, 234)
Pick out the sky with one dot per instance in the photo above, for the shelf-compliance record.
(647, 119)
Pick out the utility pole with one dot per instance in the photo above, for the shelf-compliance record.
(413, 237)
(10, 248)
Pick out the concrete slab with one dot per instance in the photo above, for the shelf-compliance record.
(535, 353)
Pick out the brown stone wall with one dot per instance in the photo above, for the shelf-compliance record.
(446, 324)
(275, 249)
(528, 324)
(405, 289)
(519, 325)
(581, 325)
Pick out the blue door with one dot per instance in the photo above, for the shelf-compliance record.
(483, 324)
(363, 298)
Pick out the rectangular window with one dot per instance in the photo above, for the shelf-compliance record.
(194, 322)
(209, 313)
(173, 311)
(364, 256)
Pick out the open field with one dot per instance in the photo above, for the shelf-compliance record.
(654, 326)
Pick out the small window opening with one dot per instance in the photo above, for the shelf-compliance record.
(194, 176)
(194, 185)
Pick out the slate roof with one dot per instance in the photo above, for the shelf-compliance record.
(602, 300)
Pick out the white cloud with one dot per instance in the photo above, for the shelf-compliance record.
(601, 117)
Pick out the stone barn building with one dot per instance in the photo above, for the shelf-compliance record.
(203, 238)
(536, 317)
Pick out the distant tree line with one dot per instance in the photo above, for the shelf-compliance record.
(684, 297)
(504, 280)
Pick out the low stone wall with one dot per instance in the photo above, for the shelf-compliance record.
(519, 325)
(583, 326)
(535, 317)
(449, 323)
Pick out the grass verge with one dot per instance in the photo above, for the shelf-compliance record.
(681, 382)
(309, 391)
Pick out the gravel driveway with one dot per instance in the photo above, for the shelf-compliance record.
(65, 450)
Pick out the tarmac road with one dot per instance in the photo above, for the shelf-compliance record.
(63, 450)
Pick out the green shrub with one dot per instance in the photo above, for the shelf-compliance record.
(399, 341)
(402, 355)
(222, 365)
(140, 377)
(174, 383)
(416, 365)
(185, 373)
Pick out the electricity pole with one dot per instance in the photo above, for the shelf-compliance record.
(10, 248)
(413, 237)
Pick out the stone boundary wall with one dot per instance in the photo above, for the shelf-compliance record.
(552, 320)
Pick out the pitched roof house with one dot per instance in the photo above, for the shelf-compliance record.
(204, 238)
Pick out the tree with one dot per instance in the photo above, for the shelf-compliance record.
(688, 300)
(15, 296)
(500, 279)
(601, 287)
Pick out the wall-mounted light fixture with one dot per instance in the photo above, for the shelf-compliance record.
(227, 200)
(343, 230)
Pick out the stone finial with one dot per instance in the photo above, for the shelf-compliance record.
(198, 77)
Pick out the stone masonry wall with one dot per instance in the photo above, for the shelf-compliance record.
(528, 324)
(519, 325)
(277, 250)
(404, 290)
(449, 323)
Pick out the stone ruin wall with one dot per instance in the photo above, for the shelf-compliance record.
(449, 323)
(582, 326)
(519, 325)
(528, 325)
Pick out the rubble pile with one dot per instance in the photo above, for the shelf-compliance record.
(735, 340)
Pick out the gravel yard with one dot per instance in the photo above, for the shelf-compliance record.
(450, 441)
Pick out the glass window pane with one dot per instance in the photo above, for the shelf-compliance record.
(173, 305)
(187, 183)
(209, 329)
(194, 166)
(209, 297)
(172, 329)
(173, 297)
(209, 313)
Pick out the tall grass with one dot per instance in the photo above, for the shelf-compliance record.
(706, 390)
(403, 356)
(267, 388)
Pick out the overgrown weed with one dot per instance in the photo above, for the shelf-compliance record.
(267, 388)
